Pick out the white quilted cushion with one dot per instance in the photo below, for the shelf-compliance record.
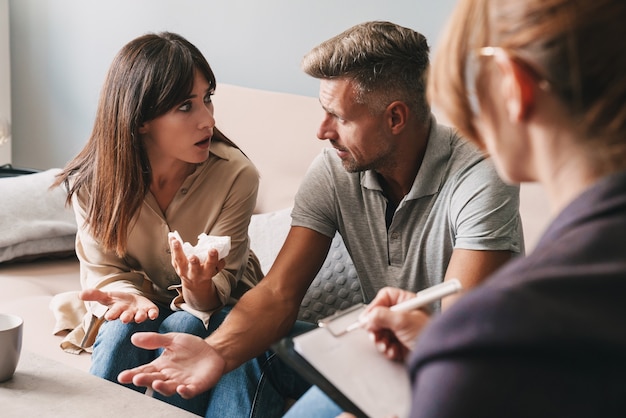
(267, 234)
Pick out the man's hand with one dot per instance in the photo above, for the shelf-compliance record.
(127, 307)
(394, 333)
(188, 365)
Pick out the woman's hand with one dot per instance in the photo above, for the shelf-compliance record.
(394, 333)
(127, 307)
(191, 271)
(188, 365)
(196, 277)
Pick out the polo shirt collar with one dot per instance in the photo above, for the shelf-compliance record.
(432, 171)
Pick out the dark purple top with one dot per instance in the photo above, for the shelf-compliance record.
(546, 335)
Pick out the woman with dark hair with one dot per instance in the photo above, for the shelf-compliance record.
(156, 163)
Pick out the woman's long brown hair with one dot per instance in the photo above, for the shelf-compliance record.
(149, 76)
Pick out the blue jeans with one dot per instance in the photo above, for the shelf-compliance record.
(262, 401)
(256, 389)
(278, 381)
(268, 382)
(271, 381)
(113, 352)
(314, 404)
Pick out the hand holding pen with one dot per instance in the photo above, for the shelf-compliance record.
(394, 320)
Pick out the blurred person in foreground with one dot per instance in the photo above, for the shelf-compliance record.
(541, 86)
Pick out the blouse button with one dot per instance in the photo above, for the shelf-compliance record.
(183, 191)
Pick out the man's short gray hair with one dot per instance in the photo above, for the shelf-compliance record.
(388, 62)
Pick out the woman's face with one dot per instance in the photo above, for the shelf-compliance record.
(184, 132)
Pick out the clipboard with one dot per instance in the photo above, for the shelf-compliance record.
(348, 368)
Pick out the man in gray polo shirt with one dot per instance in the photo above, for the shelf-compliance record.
(456, 203)
(414, 204)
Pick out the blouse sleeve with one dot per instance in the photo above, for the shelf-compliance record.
(99, 269)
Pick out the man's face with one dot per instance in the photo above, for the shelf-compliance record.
(361, 138)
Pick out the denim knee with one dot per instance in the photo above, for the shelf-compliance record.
(113, 351)
(181, 321)
(282, 377)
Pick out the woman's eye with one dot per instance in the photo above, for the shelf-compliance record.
(208, 98)
(185, 107)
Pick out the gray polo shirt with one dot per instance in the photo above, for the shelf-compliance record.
(457, 201)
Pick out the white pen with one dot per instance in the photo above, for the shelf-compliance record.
(422, 298)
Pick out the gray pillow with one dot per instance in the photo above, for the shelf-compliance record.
(34, 221)
(336, 286)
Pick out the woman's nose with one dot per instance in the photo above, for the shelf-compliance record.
(207, 121)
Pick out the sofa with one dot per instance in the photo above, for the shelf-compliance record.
(278, 133)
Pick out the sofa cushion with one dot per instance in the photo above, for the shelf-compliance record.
(267, 233)
(28, 291)
(34, 221)
(299, 117)
(336, 285)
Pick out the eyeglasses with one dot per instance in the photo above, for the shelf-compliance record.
(492, 51)
(471, 67)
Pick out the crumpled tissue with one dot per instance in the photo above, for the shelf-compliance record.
(205, 243)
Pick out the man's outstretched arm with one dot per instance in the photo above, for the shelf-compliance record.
(190, 365)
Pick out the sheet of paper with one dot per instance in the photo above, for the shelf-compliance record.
(378, 386)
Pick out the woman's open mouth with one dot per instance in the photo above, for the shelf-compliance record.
(205, 143)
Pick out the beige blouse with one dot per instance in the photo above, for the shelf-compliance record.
(217, 199)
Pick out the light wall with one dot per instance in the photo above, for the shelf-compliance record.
(5, 84)
(61, 49)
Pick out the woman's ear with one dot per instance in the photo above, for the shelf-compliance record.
(517, 88)
(142, 128)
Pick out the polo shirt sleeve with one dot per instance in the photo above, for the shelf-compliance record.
(485, 211)
(315, 202)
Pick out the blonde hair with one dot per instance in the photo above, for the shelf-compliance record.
(576, 45)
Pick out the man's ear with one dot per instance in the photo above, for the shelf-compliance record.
(398, 113)
(517, 88)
